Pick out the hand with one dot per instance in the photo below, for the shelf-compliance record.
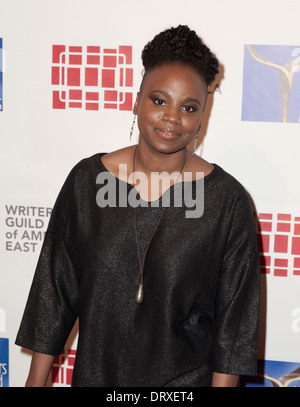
(39, 369)
(224, 380)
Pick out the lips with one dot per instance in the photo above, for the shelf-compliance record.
(167, 134)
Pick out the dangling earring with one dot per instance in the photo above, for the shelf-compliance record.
(196, 140)
(132, 126)
(195, 144)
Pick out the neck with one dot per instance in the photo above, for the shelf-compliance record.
(148, 160)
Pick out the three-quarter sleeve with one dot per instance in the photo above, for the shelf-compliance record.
(237, 303)
(52, 305)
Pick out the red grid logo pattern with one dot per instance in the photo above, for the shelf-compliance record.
(62, 369)
(92, 77)
(279, 244)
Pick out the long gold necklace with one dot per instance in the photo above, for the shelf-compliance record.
(140, 291)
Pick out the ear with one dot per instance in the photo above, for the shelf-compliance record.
(136, 104)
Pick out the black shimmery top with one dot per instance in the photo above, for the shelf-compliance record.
(201, 285)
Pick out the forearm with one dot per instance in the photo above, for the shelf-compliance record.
(39, 369)
(224, 380)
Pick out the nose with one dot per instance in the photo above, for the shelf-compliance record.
(172, 115)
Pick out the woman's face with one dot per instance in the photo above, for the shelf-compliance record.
(169, 106)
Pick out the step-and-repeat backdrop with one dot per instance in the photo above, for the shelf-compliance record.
(69, 73)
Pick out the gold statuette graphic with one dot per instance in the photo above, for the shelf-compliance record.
(286, 74)
(284, 380)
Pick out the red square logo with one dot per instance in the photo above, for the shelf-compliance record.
(280, 244)
(278, 239)
(62, 369)
(296, 245)
(73, 77)
(94, 70)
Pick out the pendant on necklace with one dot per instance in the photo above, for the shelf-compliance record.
(139, 294)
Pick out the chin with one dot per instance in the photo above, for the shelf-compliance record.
(163, 146)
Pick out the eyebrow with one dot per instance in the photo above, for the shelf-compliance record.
(187, 100)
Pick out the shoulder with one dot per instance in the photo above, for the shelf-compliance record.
(197, 166)
(82, 174)
(87, 163)
(226, 181)
(224, 188)
(112, 160)
(86, 167)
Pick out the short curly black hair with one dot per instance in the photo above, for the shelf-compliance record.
(180, 44)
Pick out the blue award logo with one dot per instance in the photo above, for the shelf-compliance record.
(4, 372)
(271, 83)
(272, 373)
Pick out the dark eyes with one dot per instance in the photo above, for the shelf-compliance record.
(158, 101)
(186, 108)
(189, 109)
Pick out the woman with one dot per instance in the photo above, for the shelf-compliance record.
(163, 298)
